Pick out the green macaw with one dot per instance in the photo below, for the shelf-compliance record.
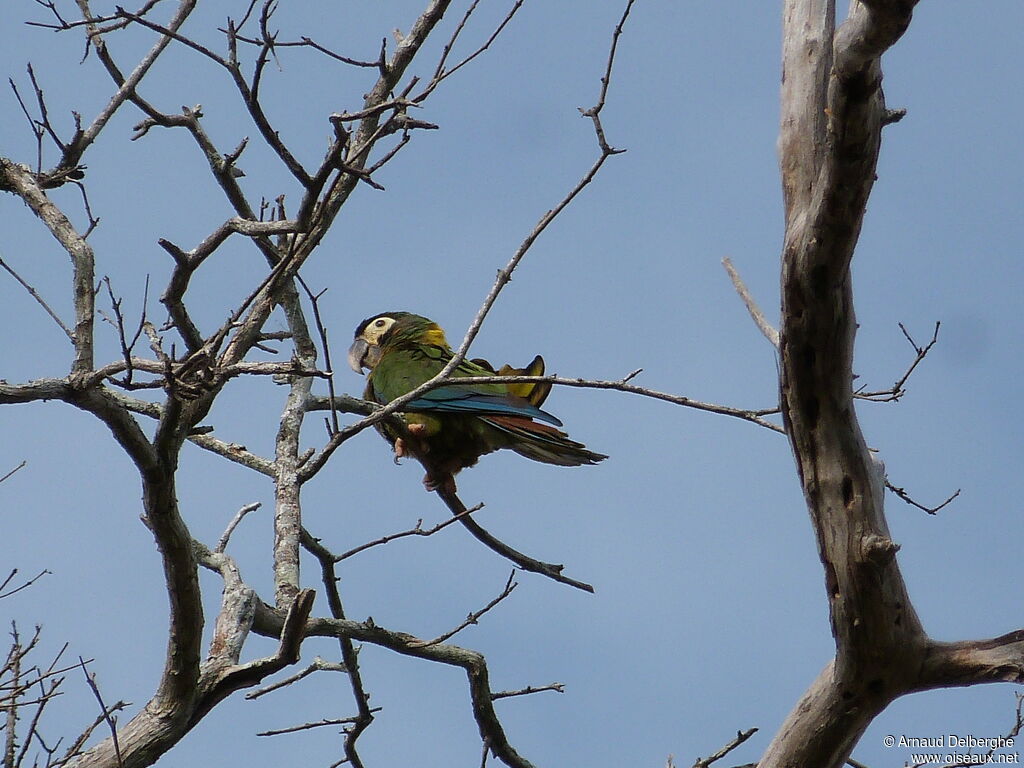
(454, 425)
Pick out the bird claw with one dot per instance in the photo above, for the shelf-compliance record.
(401, 451)
(415, 445)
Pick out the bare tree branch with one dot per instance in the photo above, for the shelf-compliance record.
(755, 311)
(318, 665)
(308, 726)
(832, 117)
(896, 391)
(416, 530)
(222, 543)
(25, 185)
(39, 300)
(741, 736)
(108, 717)
(527, 563)
(556, 687)
(4, 477)
(475, 616)
(902, 493)
(14, 571)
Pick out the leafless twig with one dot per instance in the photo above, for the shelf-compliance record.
(474, 617)
(77, 745)
(12, 574)
(108, 717)
(741, 736)
(527, 563)
(505, 273)
(39, 299)
(118, 322)
(318, 665)
(314, 300)
(416, 530)
(349, 653)
(23, 463)
(317, 724)
(902, 493)
(557, 687)
(440, 72)
(896, 391)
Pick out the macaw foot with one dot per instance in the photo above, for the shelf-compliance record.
(418, 430)
(401, 450)
(443, 481)
(415, 446)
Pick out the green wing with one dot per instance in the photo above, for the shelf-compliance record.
(401, 370)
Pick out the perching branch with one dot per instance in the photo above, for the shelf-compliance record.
(527, 563)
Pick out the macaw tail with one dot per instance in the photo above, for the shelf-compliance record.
(533, 392)
(543, 443)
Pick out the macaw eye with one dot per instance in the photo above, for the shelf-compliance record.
(380, 323)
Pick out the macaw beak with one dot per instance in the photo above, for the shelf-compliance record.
(363, 355)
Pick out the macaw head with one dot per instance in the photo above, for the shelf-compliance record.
(391, 330)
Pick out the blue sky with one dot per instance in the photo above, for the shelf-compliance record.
(709, 614)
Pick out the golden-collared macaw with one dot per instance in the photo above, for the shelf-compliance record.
(455, 424)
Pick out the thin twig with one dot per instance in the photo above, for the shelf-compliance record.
(472, 618)
(557, 687)
(314, 300)
(349, 653)
(34, 126)
(896, 391)
(527, 563)
(318, 724)
(108, 717)
(32, 732)
(76, 747)
(27, 584)
(303, 42)
(39, 300)
(318, 665)
(23, 463)
(902, 493)
(741, 736)
(440, 73)
(416, 530)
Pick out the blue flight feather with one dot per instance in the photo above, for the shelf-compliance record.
(460, 400)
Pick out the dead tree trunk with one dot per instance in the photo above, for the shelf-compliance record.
(833, 112)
